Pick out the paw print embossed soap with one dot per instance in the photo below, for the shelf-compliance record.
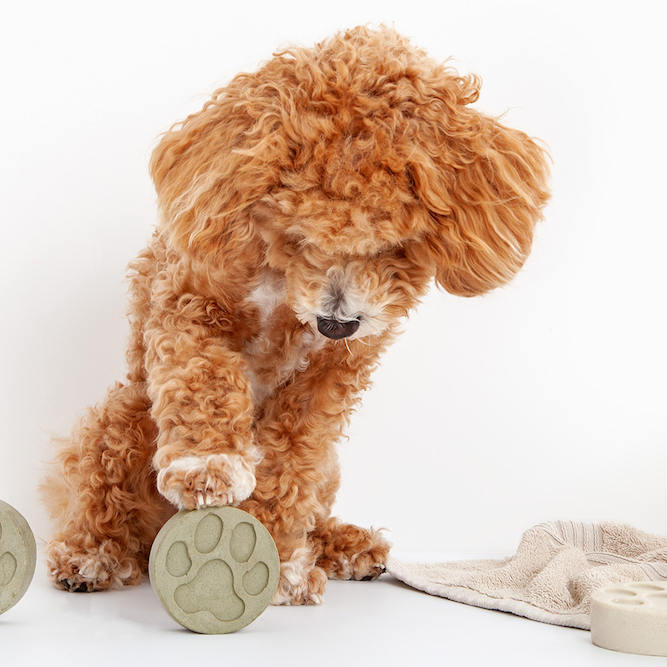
(214, 570)
(18, 556)
(631, 617)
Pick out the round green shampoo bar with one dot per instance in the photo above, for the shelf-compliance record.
(18, 556)
(214, 570)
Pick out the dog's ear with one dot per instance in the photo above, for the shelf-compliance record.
(210, 168)
(483, 184)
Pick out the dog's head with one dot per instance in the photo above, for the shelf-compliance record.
(359, 171)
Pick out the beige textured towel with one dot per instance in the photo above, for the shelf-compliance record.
(550, 579)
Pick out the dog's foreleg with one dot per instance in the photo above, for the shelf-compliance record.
(298, 478)
(202, 405)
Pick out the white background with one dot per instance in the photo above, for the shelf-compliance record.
(540, 401)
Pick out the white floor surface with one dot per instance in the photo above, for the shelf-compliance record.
(361, 623)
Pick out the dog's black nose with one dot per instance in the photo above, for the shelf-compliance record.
(335, 329)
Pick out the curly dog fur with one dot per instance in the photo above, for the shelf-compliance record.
(304, 212)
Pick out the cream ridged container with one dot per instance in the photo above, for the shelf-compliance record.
(631, 618)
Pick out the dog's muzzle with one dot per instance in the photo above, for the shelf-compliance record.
(335, 329)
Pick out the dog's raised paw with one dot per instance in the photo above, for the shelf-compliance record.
(195, 482)
(18, 556)
(214, 570)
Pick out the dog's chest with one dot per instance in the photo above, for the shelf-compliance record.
(281, 346)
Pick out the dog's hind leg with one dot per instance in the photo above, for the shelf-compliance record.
(349, 552)
(103, 496)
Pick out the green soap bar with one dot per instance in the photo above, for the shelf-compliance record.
(214, 570)
(18, 556)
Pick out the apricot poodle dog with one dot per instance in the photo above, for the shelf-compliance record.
(304, 212)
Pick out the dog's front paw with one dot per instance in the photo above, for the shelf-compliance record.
(193, 482)
(301, 582)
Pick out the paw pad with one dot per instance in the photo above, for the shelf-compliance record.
(18, 556)
(214, 570)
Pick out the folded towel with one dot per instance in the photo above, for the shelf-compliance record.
(550, 579)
